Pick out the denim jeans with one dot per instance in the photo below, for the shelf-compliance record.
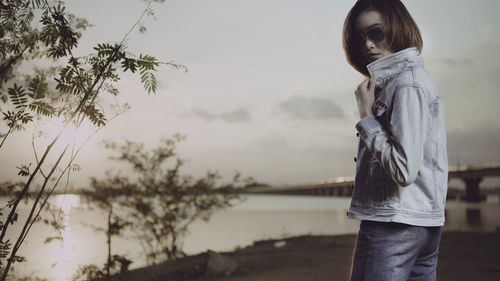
(387, 251)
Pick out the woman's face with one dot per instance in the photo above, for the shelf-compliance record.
(370, 36)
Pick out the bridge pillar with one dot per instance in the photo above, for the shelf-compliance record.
(472, 189)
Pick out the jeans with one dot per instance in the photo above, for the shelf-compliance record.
(387, 251)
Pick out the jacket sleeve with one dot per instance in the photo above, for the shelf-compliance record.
(400, 151)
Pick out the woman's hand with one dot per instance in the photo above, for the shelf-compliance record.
(365, 96)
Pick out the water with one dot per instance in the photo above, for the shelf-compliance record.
(258, 217)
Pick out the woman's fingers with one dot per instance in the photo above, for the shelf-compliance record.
(365, 96)
(362, 87)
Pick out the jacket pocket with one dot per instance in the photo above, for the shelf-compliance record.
(383, 185)
(376, 182)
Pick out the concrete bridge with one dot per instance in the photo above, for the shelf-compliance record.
(471, 175)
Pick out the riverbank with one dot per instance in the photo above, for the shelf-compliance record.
(464, 256)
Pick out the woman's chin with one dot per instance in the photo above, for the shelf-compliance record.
(370, 60)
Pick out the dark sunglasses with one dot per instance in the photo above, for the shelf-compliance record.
(376, 34)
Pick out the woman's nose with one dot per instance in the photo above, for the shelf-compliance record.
(369, 43)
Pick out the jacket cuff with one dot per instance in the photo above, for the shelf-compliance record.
(367, 124)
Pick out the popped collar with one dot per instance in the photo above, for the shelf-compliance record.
(386, 67)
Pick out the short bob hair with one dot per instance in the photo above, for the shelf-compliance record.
(401, 30)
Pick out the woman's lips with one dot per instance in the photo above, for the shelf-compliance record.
(372, 57)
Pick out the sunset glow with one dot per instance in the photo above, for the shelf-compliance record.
(66, 252)
(71, 133)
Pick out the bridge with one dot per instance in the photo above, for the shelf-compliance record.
(343, 186)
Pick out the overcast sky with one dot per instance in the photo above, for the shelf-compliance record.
(269, 93)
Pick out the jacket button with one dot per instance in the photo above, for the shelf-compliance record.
(355, 159)
(357, 134)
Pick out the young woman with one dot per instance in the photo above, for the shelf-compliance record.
(402, 165)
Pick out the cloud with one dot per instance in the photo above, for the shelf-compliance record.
(235, 116)
(475, 144)
(203, 114)
(239, 115)
(311, 109)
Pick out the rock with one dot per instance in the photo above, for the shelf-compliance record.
(279, 244)
(218, 264)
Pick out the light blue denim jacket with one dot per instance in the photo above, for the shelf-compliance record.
(402, 163)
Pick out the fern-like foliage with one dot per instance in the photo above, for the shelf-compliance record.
(95, 115)
(57, 33)
(66, 81)
(4, 250)
(24, 170)
(149, 81)
(147, 65)
(19, 259)
(10, 118)
(36, 3)
(25, 117)
(177, 66)
(129, 64)
(37, 87)
(109, 88)
(18, 96)
(43, 108)
(147, 62)
(105, 49)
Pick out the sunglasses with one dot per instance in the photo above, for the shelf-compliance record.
(376, 34)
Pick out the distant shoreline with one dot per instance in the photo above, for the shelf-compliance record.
(464, 256)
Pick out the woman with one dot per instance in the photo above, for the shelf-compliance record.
(402, 165)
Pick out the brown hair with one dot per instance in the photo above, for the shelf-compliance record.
(401, 30)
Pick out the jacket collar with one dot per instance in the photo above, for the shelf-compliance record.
(386, 67)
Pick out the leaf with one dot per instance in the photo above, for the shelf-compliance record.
(36, 3)
(10, 118)
(24, 170)
(148, 79)
(105, 49)
(25, 117)
(95, 115)
(147, 62)
(56, 33)
(37, 88)
(18, 96)
(11, 202)
(18, 259)
(177, 66)
(67, 81)
(129, 64)
(76, 168)
(50, 239)
(5, 248)
(43, 108)
(112, 90)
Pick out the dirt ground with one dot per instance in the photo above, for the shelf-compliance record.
(463, 256)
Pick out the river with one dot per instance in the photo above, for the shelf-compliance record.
(257, 217)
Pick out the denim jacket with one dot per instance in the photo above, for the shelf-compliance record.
(402, 163)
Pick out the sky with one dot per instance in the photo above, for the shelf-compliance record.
(269, 93)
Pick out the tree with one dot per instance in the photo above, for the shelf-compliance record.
(69, 91)
(155, 200)
(105, 197)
